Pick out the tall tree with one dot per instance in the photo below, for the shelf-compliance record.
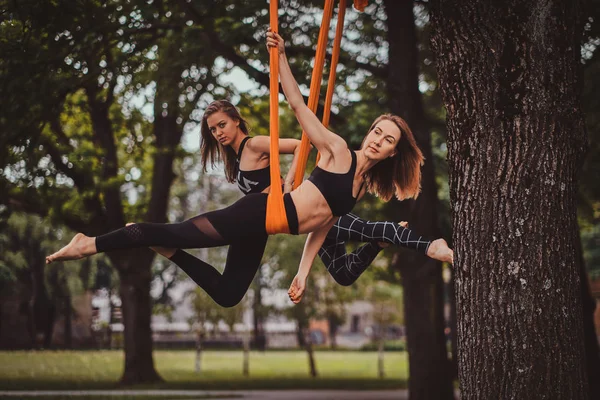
(80, 145)
(509, 73)
(421, 276)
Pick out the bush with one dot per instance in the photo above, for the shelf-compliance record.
(389, 345)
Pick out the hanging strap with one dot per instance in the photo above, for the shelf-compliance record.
(315, 88)
(276, 220)
(335, 56)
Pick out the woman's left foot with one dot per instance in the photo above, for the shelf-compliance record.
(79, 247)
(439, 250)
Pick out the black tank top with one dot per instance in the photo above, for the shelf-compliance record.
(251, 181)
(336, 188)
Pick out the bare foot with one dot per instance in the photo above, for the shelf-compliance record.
(80, 246)
(439, 250)
(163, 251)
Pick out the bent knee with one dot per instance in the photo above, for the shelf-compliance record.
(229, 301)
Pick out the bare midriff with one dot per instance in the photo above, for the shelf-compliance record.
(311, 207)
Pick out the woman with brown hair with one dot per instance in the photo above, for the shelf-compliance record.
(341, 177)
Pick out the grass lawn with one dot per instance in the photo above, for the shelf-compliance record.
(70, 370)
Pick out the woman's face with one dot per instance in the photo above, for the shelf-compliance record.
(382, 140)
(223, 128)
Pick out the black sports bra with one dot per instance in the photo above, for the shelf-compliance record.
(336, 188)
(251, 181)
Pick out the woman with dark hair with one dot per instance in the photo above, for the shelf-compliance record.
(331, 191)
(225, 137)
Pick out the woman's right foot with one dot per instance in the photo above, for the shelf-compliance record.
(439, 250)
(163, 251)
(80, 246)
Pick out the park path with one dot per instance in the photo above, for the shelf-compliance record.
(235, 394)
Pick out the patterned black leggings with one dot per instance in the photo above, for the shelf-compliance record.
(229, 288)
(346, 268)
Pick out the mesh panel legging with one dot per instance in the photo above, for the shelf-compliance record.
(346, 268)
(241, 226)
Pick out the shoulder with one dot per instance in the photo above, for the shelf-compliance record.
(258, 143)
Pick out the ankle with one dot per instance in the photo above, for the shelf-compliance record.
(89, 246)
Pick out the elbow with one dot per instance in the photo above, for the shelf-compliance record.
(296, 105)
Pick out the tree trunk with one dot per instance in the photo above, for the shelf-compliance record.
(198, 364)
(246, 366)
(311, 354)
(68, 322)
(300, 336)
(110, 320)
(49, 320)
(453, 326)
(509, 74)
(429, 369)
(136, 310)
(258, 333)
(333, 329)
(380, 348)
(31, 325)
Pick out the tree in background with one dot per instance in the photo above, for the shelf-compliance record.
(79, 144)
(205, 310)
(387, 310)
(45, 293)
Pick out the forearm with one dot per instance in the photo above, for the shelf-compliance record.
(313, 243)
(289, 178)
(289, 84)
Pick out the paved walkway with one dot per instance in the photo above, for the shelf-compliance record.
(235, 394)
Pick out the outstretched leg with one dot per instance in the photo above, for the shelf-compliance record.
(345, 267)
(243, 220)
(351, 227)
(179, 235)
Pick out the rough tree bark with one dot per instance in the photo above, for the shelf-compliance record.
(509, 75)
(429, 369)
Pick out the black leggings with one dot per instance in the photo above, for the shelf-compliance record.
(241, 226)
(346, 268)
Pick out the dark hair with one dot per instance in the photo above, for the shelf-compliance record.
(399, 175)
(210, 149)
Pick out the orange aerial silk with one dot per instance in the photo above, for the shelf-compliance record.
(276, 221)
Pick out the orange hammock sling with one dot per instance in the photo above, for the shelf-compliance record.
(276, 221)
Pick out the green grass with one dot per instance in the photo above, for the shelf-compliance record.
(222, 370)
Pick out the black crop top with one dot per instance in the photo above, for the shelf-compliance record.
(336, 188)
(254, 181)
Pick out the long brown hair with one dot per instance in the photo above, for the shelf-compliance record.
(399, 175)
(211, 150)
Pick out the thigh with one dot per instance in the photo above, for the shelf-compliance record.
(348, 227)
(242, 221)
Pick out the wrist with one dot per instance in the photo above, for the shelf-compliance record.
(302, 274)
